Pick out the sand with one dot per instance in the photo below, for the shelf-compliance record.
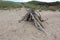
(11, 29)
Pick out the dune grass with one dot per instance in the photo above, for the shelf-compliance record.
(32, 4)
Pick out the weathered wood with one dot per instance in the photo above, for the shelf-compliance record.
(39, 16)
(39, 20)
(37, 23)
(34, 17)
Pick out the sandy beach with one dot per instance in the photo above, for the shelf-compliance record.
(11, 29)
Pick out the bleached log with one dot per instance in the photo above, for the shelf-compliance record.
(37, 23)
(34, 17)
(39, 16)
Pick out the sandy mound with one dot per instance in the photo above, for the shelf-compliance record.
(11, 29)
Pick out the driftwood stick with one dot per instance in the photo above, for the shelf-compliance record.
(39, 16)
(34, 17)
(36, 22)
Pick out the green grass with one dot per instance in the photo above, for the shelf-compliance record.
(8, 5)
(32, 4)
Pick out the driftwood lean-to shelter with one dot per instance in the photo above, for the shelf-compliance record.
(35, 18)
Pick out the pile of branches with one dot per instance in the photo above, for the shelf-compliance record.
(35, 18)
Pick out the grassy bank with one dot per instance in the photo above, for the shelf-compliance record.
(32, 4)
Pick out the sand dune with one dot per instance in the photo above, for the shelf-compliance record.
(11, 29)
